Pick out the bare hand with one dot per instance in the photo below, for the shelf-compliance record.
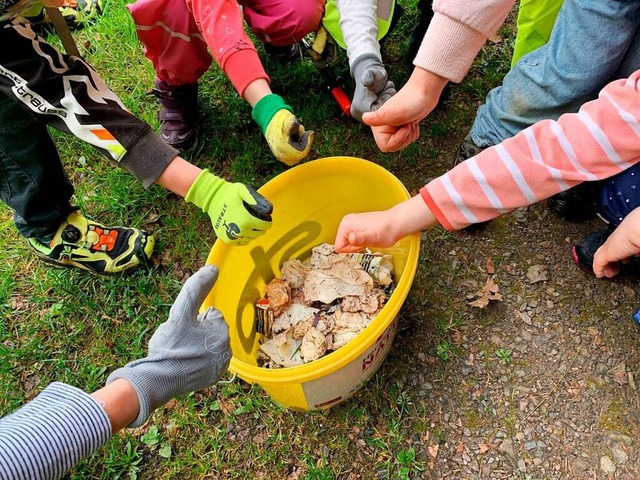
(390, 138)
(623, 243)
(395, 124)
(359, 230)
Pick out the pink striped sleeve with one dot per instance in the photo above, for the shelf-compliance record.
(602, 139)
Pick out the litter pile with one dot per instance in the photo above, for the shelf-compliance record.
(319, 305)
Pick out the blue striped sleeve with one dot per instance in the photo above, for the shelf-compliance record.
(50, 434)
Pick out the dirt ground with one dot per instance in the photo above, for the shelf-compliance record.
(565, 403)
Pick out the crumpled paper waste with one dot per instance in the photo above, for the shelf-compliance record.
(320, 305)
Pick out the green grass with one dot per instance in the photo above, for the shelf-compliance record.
(70, 326)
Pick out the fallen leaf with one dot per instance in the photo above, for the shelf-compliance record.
(496, 39)
(433, 450)
(483, 448)
(490, 268)
(573, 391)
(509, 269)
(620, 377)
(460, 448)
(487, 293)
(482, 301)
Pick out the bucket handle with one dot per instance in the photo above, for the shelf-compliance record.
(227, 382)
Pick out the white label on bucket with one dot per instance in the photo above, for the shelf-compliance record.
(343, 383)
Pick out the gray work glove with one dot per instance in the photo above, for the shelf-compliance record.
(373, 86)
(188, 352)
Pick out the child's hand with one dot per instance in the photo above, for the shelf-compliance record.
(383, 229)
(623, 243)
(285, 135)
(391, 139)
(373, 87)
(371, 229)
(405, 109)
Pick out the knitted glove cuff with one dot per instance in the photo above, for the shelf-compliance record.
(266, 108)
(363, 62)
(152, 385)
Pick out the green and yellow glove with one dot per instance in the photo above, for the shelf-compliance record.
(286, 137)
(238, 213)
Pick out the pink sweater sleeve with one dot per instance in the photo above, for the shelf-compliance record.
(222, 27)
(599, 141)
(456, 34)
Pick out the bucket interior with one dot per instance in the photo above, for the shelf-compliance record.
(309, 202)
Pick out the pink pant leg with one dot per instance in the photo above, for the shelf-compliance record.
(282, 22)
(171, 40)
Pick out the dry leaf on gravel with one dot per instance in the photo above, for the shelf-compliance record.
(490, 291)
(490, 267)
(483, 448)
(433, 450)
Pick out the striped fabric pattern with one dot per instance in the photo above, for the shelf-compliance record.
(599, 141)
(49, 435)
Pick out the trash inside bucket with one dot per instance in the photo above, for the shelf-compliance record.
(309, 201)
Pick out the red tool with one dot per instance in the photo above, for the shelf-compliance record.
(332, 82)
(336, 90)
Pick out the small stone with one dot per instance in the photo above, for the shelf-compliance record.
(525, 318)
(618, 437)
(522, 466)
(550, 304)
(607, 465)
(530, 445)
(537, 274)
(508, 450)
(619, 454)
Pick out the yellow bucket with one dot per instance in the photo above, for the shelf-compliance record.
(309, 202)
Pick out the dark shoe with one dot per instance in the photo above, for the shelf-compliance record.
(584, 251)
(284, 55)
(466, 150)
(80, 13)
(575, 204)
(418, 33)
(89, 245)
(179, 113)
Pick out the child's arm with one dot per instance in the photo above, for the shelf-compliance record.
(623, 243)
(359, 26)
(602, 139)
(222, 27)
(599, 141)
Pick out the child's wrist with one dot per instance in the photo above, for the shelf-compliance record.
(411, 216)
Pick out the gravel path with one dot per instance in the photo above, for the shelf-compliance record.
(542, 385)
